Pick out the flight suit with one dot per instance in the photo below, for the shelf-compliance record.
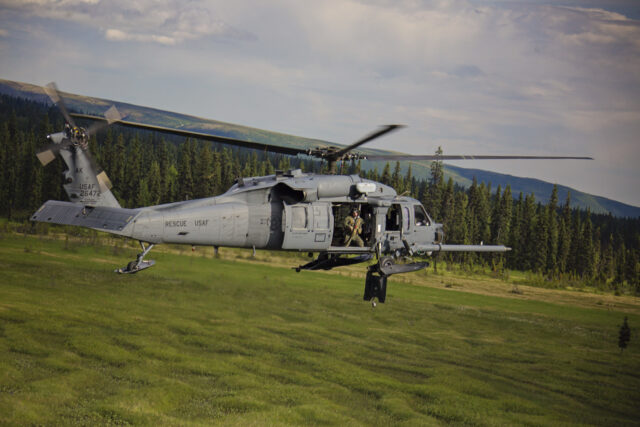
(352, 228)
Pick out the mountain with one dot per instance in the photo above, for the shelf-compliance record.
(462, 176)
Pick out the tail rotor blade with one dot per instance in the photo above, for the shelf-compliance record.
(52, 90)
(49, 152)
(46, 155)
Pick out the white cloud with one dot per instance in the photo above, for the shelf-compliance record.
(476, 77)
(166, 22)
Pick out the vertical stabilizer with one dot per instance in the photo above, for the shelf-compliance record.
(84, 182)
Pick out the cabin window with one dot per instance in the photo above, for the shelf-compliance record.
(298, 217)
(394, 216)
(421, 218)
(405, 218)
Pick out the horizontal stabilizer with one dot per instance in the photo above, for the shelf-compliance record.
(100, 217)
(461, 248)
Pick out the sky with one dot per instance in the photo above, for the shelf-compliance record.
(523, 77)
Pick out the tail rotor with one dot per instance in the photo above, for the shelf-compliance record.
(85, 181)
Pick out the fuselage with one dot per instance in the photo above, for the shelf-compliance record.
(293, 211)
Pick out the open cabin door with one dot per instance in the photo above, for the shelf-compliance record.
(398, 220)
(307, 226)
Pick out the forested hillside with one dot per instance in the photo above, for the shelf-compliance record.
(461, 176)
(548, 237)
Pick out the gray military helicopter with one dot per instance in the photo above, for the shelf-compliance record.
(290, 210)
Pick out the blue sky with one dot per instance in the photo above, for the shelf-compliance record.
(475, 77)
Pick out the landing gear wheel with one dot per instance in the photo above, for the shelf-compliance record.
(386, 262)
(132, 265)
(385, 265)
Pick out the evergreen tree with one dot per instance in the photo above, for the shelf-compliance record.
(552, 223)
(624, 335)
(408, 182)
(515, 239)
(586, 255)
(564, 237)
(447, 211)
(142, 196)
(396, 179)
(119, 168)
(226, 162)
(164, 163)
(5, 168)
(12, 172)
(134, 170)
(574, 264)
(607, 262)
(203, 176)
(171, 189)
(155, 184)
(434, 197)
(459, 231)
(386, 175)
(539, 252)
(185, 172)
(502, 220)
(269, 169)
(529, 229)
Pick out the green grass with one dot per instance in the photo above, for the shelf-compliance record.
(198, 340)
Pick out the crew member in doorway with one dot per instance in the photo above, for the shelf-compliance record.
(353, 229)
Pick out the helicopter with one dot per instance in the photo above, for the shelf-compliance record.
(289, 210)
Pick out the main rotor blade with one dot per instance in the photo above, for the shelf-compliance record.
(112, 115)
(467, 157)
(374, 135)
(201, 135)
(52, 90)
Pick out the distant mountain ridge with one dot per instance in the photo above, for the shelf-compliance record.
(462, 176)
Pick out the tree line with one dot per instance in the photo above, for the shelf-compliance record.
(552, 239)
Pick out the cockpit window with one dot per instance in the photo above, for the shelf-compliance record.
(420, 216)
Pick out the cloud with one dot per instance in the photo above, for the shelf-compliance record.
(477, 77)
(167, 22)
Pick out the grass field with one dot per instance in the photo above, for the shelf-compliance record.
(236, 341)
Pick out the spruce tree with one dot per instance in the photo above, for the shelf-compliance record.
(386, 175)
(586, 254)
(564, 237)
(624, 335)
(185, 172)
(447, 211)
(408, 182)
(435, 188)
(516, 239)
(529, 232)
(396, 179)
(155, 183)
(541, 237)
(552, 224)
(203, 175)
